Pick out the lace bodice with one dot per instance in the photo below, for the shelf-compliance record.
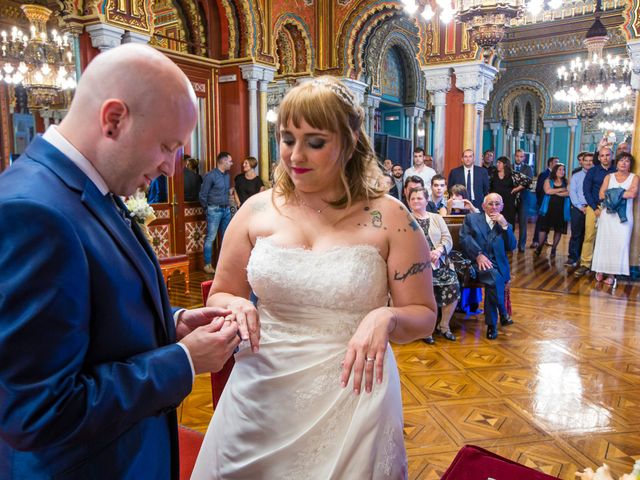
(350, 278)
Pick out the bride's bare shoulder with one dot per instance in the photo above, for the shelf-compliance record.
(258, 203)
(389, 206)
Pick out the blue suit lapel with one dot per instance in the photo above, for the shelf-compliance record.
(483, 226)
(103, 209)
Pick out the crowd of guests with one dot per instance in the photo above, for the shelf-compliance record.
(214, 192)
(596, 203)
(489, 200)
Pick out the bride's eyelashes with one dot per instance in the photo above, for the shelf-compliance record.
(317, 144)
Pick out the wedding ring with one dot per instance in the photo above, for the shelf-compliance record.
(371, 359)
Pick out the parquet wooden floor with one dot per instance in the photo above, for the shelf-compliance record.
(558, 391)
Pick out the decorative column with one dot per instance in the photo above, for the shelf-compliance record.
(438, 83)
(479, 121)
(358, 89)
(428, 138)
(573, 123)
(476, 81)
(417, 141)
(633, 48)
(104, 36)
(530, 140)
(412, 114)
(495, 129)
(371, 102)
(263, 86)
(252, 73)
(548, 126)
(507, 142)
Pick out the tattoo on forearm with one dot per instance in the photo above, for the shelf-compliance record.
(414, 269)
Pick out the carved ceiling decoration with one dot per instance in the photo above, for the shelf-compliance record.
(552, 45)
(170, 27)
(569, 9)
(293, 46)
(130, 14)
(243, 41)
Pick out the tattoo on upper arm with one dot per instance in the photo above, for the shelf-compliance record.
(414, 269)
(412, 222)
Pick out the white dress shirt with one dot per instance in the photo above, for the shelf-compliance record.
(470, 192)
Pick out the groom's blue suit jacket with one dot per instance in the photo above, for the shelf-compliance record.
(90, 375)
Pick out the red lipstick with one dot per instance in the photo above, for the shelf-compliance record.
(300, 171)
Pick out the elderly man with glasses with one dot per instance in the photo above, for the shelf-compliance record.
(486, 237)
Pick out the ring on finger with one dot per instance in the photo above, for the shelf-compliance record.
(371, 359)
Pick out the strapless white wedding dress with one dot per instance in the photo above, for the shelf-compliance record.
(283, 414)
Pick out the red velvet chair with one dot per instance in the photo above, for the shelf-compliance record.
(218, 379)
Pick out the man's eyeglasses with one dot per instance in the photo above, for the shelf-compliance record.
(493, 204)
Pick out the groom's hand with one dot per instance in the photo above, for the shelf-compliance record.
(211, 345)
(189, 320)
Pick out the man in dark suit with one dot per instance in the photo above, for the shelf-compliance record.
(475, 178)
(90, 371)
(397, 190)
(191, 179)
(521, 167)
(551, 162)
(486, 238)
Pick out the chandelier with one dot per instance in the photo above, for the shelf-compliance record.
(41, 63)
(597, 81)
(487, 20)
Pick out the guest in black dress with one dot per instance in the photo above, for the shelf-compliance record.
(247, 183)
(502, 184)
(554, 210)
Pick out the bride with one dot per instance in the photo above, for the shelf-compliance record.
(315, 391)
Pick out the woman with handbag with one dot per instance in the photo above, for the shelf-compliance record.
(554, 210)
(508, 184)
(445, 281)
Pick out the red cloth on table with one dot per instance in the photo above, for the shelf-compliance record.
(475, 463)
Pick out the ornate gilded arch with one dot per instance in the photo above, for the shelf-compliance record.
(293, 46)
(390, 37)
(356, 28)
(515, 102)
(241, 18)
(534, 91)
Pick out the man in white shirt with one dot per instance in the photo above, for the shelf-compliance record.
(420, 169)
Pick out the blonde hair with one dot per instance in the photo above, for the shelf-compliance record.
(326, 104)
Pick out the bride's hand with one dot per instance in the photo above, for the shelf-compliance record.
(367, 348)
(244, 312)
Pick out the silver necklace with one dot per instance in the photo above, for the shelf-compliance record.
(305, 204)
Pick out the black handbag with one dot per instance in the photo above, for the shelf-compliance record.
(463, 266)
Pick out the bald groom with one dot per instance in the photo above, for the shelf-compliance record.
(90, 371)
